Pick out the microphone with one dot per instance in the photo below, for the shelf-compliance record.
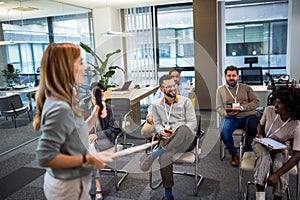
(98, 96)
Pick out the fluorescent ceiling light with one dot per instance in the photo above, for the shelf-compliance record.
(114, 33)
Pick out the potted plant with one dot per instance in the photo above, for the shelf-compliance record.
(11, 75)
(104, 70)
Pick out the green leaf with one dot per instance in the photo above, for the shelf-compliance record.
(90, 51)
(103, 71)
(109, 74)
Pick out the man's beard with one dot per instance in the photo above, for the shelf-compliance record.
(171, 94)
(231, 84)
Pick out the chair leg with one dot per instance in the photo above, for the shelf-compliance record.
(198, 179)
(14, 121)
(222, 150)
(151, 184)
(240, 183)
(288, 193)
(29, 116)
(298, 181)
(246, 189)
(116, 171)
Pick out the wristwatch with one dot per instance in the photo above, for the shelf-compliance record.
(84, 161)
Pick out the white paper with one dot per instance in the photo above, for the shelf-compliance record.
(92, 149)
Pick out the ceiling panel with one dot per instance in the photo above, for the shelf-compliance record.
(44, 8)
(62, 7)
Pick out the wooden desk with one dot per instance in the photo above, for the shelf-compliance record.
(28, 90)
(135, 96)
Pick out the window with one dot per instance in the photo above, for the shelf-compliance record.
(175, 37)
(260, 31)
(266, 40)
(152, 51)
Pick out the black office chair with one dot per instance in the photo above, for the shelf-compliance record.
(121, 111)
(12, 106)
(270, 99)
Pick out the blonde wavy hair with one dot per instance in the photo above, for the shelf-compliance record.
(57, 78)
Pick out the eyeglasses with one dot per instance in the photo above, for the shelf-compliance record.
(170, 86)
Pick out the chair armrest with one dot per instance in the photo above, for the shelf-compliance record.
(200, 134)
(127, 114)
(125, 117)
(117, 138)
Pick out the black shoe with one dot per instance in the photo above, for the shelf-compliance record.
(146, 163)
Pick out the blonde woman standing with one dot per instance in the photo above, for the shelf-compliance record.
(63, 145)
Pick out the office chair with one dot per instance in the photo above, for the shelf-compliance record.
(191, 157)
(247, 163)
(250, 132)
(113, 148)
(121, 111)
(237, 133)
(12, 106)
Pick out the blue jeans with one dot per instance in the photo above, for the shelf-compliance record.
(228, 126)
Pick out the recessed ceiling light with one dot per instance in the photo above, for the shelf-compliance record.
(24, 8)
(2, 2)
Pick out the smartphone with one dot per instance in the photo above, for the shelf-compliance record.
(98, 96)
(168, 131)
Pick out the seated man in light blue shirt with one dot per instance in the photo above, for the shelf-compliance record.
(148, 128)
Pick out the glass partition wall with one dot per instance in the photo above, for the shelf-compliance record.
(32, 36)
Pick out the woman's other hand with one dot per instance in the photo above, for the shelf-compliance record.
(272, 179)
(93, 138)
(95, 111)
(104, 112)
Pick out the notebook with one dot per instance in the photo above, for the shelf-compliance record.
(271, 143)
(124, 87)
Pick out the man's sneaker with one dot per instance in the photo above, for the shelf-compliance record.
(146, 163)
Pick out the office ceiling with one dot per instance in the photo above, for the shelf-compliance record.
(23, 9)
(41, 8)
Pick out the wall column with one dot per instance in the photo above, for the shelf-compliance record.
(205, 35)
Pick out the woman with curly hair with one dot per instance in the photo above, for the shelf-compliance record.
(279, 122)
(63, 145)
